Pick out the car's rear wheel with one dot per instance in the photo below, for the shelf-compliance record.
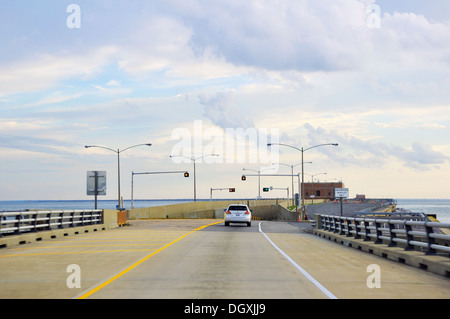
(249, 224)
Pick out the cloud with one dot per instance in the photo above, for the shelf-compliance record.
(356, 151)
(34, 144)
(221, 109)
(300, 35)
(45, 71)
(420, 156)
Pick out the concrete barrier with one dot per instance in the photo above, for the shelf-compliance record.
(200, 209)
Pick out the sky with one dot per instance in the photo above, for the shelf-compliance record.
(197, 77)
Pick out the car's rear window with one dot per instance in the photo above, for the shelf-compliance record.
(237, 208)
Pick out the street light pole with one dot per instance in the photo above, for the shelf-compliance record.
(118, 151)
(292, 178)
(303, 150)
(312, 184)
(292, 173)
(259, 178)
(118, 179)
(193, 159)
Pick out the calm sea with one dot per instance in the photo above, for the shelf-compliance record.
(439, 207)
(82, 204)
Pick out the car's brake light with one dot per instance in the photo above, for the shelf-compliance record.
(228, 212)
(247, 212)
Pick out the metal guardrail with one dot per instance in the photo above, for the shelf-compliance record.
(14, 223)
(394, 232)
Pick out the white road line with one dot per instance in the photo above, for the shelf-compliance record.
(315, 282)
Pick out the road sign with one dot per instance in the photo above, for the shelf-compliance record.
(96, 183)
(341, 192)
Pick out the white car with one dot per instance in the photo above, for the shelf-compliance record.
(238, 213)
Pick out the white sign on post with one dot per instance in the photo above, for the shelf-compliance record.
(341, 192)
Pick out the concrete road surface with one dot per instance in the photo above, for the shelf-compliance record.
(172, 259)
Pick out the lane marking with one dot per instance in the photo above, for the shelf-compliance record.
(75, 252)
(123, 272)
(117, 239)
(304, 272)
(78, 246)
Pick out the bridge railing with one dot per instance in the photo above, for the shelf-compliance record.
(412, 235)
(14, 223)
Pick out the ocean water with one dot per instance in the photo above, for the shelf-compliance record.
(82, 204)
(439, 207)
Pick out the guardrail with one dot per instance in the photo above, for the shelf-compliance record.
(14, 223)
(393, 232)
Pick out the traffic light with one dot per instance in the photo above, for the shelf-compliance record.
(186, 174)
(265, 189)
(231, 190)
(243, 178)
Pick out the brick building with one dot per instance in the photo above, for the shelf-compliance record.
(321, 190)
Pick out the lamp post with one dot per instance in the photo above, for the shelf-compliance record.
(303, 150)
(259, 178)
(312, 184)
(194, 159)
(292, 173)
(118, 151)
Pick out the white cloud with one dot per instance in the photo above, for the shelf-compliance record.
(432, 126)
(358, 152)
(45, 71)
(302, 35)
(221, 109)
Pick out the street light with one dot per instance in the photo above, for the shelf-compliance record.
(303, 150)
(259, 178)
(298, 177)
(193, 159)
(312, 184)
(118, 151)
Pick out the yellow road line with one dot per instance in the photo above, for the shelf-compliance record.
(76, 252)
(131, 237)
(124, 238)
(123, 272)
(72, 246)
(108, 240)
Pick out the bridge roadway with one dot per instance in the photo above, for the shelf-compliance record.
(174, 259)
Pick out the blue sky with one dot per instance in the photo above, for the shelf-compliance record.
(138, 71)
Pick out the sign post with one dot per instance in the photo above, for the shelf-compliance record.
(96, 184)
(341, 193)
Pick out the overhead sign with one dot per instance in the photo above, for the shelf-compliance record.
(341, 192)
(96, 183)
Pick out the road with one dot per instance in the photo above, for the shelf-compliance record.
(173, 259)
